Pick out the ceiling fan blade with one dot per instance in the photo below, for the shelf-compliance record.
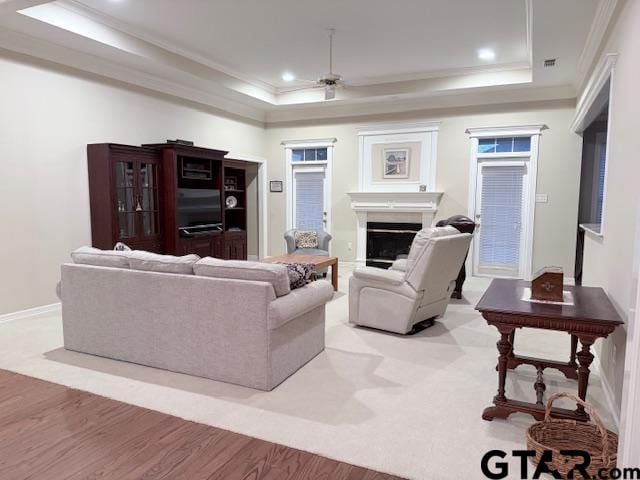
(298, 89)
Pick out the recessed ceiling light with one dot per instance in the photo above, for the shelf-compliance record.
(288, 77)
(486, 54)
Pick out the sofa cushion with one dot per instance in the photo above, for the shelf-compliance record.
(141, 260)
(276, 275)
(100, 258)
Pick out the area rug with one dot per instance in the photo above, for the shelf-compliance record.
(409, 406)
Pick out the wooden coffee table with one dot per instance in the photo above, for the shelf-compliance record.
(588, 317)
(317, 261)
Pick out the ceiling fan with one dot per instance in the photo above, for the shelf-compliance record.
(328, 81)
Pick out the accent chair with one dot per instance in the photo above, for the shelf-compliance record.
(322, 249)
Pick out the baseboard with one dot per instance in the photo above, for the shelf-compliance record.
(608, 391)
(29, 313)
(569, 281)
(253, 258)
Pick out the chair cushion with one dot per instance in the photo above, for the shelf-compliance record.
(276, 275)
(100, 258)
(153, 262)
(306, 239)
(311, 251)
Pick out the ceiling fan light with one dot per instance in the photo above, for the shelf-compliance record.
(329, 92)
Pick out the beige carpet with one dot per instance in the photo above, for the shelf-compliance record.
(408, 406)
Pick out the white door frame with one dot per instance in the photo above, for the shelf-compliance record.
(533, 131)
(327, 165)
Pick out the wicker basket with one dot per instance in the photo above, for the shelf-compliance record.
(555, 435)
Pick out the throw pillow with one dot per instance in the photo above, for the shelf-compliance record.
(300, 274)
(121, 247)
(100, 258)
(306, 239)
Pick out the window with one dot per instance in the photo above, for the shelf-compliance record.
(309, 155)
(504, 145)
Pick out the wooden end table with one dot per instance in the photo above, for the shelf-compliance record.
(591, 316)
(319, 262)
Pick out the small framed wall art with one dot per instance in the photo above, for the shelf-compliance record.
(396, 163)
(275, 186)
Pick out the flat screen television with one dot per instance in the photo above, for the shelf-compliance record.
(199, 207)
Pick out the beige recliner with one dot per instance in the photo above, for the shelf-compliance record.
(396, 300)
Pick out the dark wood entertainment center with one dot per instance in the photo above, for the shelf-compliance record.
(134, 194)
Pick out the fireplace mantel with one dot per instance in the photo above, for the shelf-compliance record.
(395, 201)
(391, 207)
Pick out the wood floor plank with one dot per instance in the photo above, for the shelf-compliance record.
(51, 432)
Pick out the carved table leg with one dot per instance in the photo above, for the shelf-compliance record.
(585, 357)
(512, 341)
(504, 348)
(574, 349)
(539, 386)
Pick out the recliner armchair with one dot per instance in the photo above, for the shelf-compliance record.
(397, 300)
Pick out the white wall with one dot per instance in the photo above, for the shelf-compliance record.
(609, 261)
(558, 172)
(48, 115)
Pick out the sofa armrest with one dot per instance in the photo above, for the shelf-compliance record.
(381, 275)
(298, 302)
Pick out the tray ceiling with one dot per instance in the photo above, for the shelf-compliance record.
(394, 55)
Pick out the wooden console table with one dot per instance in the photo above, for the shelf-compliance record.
(590, 316)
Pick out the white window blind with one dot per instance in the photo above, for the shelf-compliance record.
(309, 200)
(501, 216)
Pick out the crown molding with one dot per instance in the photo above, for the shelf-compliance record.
(12, 6)
(601, 20)
(112, 22)
(118, 72)
(479, 98)
(314, 142)
(600, 76)
(398, 128)
(506, 131)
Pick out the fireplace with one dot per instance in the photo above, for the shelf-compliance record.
(393, 210)
(387, 240)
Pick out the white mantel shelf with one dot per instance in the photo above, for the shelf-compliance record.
(395, 201)
(389, 205)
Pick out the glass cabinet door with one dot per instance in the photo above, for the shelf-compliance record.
(148, 206)
(126, 198)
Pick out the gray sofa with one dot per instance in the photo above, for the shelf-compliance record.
(254, 333)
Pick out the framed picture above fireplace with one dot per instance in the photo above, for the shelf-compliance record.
(397, 158)
(395, 162)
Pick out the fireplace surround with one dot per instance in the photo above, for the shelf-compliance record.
(387, 240)
(392, 208)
